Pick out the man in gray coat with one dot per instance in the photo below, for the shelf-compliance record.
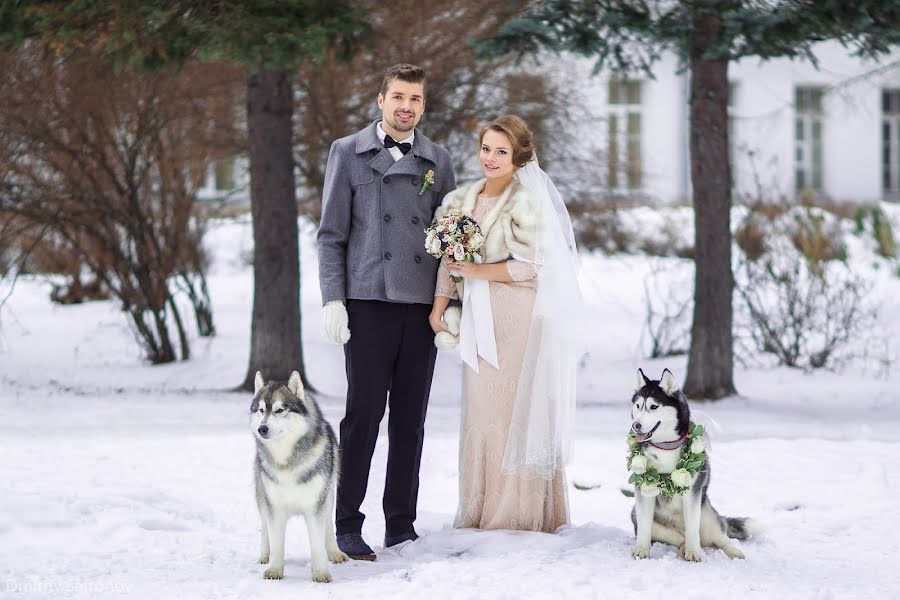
(382, 186)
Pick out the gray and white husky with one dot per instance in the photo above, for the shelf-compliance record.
(296, 471)
(660, 421)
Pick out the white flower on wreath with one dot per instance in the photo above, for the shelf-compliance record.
(698, 445)
(649, 490)
(459, 253)
(681, 477)
(639, 464)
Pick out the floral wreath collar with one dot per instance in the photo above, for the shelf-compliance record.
(650, 481)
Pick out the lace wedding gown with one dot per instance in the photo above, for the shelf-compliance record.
(489, 499)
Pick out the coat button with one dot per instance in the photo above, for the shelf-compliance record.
(387, 256)
(415, 220)
(387, 218)
(417, 258)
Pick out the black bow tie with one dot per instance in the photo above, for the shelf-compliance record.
(390, 142)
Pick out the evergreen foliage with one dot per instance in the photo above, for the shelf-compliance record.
(278, 33)
(629, 36)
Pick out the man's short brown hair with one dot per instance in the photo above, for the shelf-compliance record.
(403, 72)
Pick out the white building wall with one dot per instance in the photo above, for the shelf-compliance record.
(764, 122)
(763, 125)
(664, 137)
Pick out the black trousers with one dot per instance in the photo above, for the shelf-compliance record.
(390, 354)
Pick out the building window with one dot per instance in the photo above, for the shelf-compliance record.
(890, 137)
(223, 170)
(624, 134)
(808, 139)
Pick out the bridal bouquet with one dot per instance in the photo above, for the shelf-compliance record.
(455, 235)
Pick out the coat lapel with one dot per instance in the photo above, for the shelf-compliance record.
(408, 165)
(367, 141)
(382, 162)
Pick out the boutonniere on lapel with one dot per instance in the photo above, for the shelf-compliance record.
(427, 182)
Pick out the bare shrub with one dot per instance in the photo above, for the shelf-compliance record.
(751, 236)
(818, 239)
(667, 242)
(803, 313)
(598, 227)
(668, 302)
(881, 230)
(106, 161)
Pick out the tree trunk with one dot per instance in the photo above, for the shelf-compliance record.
(711, 360)
(275, 346)
(179, 326)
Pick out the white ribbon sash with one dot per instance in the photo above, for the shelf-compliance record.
(476, 328)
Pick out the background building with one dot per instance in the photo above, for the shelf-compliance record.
(831, 132)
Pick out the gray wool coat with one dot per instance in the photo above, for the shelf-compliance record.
(371, 238)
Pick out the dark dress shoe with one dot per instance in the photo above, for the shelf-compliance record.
(354, 546)
(393, 540)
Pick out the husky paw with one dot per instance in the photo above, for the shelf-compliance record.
(274, 573)
(263, 559)
(690, 554)
(732, 552)
(337, 556)
(321, 576)
(641, 552)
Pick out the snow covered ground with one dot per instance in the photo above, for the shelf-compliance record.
(122, 479)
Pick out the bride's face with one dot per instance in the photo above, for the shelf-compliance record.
(496, 155)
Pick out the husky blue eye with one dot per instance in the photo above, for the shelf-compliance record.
(654, 407)
(279, 411)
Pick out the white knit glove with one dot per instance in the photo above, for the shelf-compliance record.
(335, 323)
(445, 341)
(448, 341)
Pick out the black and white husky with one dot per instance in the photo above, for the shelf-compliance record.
(296, 471)
(660, 421)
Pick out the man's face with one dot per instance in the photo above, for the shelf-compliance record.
(401, 107)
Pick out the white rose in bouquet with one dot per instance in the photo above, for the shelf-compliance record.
(639, 464)
(681, 477)
(459, 253)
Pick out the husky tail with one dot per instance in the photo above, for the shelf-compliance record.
(741, 528)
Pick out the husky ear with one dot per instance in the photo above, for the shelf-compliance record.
(667, 383)
(295, 385)
(641, 380)
(258, 383)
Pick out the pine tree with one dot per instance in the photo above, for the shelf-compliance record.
(270, 37)
(629, 36)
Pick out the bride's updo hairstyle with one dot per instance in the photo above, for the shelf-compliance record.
(519, 136)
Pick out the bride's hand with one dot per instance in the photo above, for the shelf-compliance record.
(437, 323)
(466, 269)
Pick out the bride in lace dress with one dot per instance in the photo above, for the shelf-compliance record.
(518, 377)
